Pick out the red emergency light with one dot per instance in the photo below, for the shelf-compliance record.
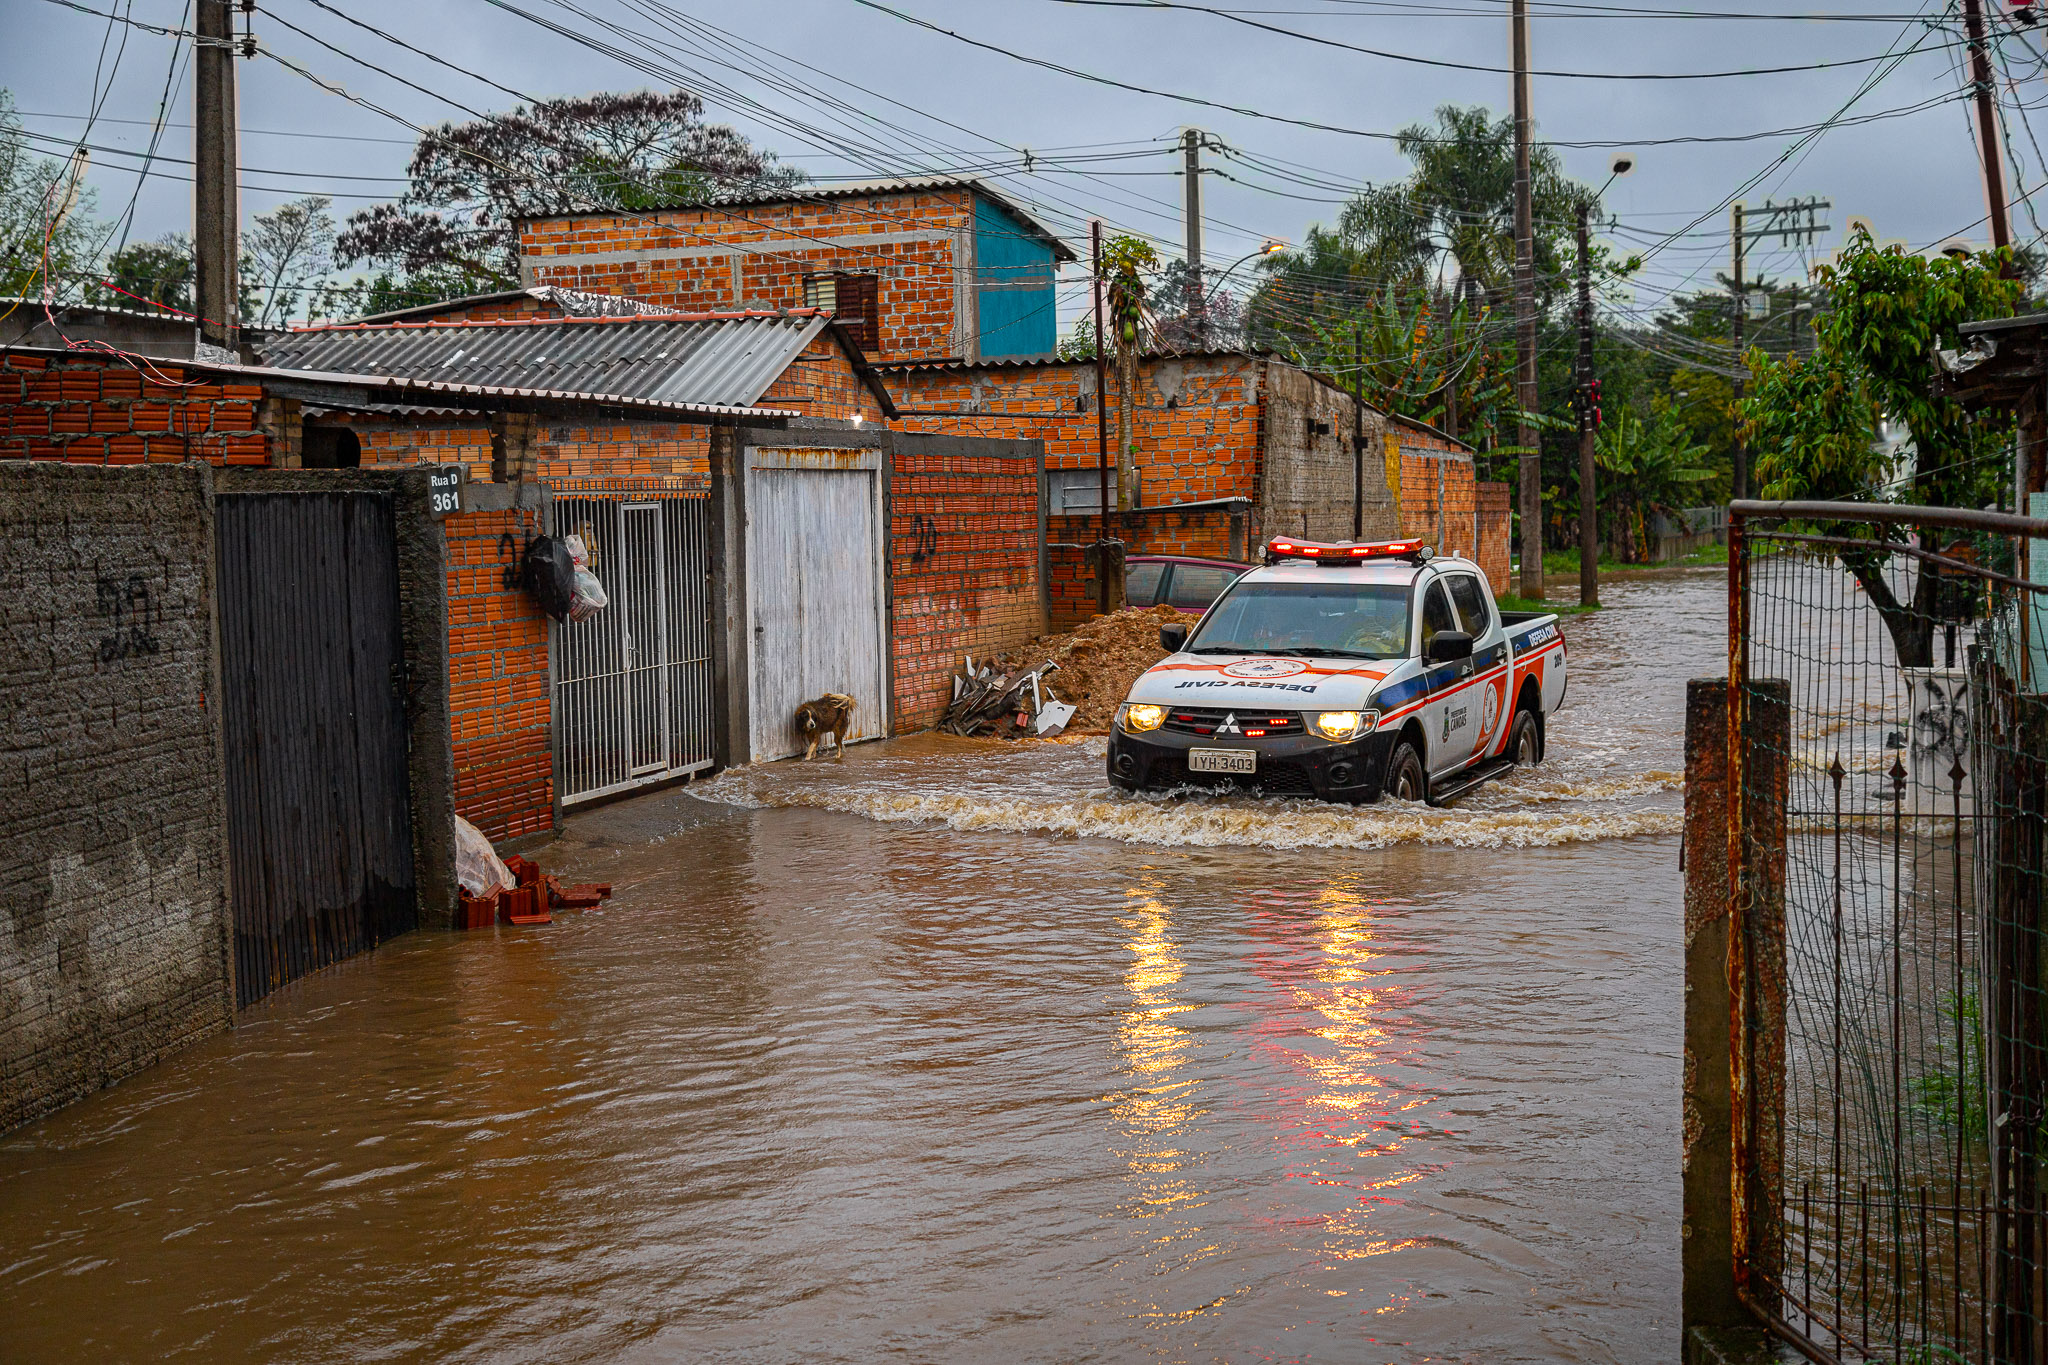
(1337, 552)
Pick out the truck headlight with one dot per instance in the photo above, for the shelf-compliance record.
(1345, 724)
(1141, 716)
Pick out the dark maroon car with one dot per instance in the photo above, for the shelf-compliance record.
(1188, 582)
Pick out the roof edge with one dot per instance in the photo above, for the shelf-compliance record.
(878, 189)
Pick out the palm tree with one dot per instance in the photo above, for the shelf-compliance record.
(1463, 186)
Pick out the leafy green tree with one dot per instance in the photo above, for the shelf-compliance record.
(472, 182)
(48, 233)
(1815, 422)
(286, 257)
(1653, 466)
(159, 272)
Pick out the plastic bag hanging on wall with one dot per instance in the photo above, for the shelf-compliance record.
(588, 597)
(549, 575)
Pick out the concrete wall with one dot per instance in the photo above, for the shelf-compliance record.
(114, 929)
(1310, 476)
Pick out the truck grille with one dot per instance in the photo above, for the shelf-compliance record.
(1205, 720)
(1274, 779)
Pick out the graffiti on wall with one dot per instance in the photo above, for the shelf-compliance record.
(130, 610)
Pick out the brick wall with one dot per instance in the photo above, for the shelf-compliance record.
(963, 554)
(756, 255)
(1212, 532)
(114, 926)
(1196, 420)
(88, 409)
(498, 703)
(1493, 534)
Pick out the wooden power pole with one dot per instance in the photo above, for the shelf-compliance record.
(1589, 524)
(1525, 321)
(216, 201)
(1988, 141)
(1101, 413)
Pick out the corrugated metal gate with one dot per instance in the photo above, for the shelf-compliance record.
(313, 729)
(632, 684)
(814, 591)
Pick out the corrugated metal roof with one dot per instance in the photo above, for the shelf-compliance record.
(382, 391)
(718, 359)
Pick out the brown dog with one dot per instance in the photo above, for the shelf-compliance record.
(831, 714)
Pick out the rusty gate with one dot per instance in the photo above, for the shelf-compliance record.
(1888, 780)
(313, 731)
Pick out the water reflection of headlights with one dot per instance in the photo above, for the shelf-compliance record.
(1345, 724)
(1138, 717)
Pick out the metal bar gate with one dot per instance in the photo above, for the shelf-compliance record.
(633, 699)
(1888, 961)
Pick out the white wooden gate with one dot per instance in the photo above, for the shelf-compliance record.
(632, 684)
(815, 595)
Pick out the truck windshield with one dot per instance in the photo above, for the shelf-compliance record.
(1338, 620)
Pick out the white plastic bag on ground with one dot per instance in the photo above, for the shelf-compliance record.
(478, 868)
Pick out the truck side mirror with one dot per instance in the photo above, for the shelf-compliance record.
(1449, 646)
(1171, 638)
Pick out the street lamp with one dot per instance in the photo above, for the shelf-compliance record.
(1267, 250)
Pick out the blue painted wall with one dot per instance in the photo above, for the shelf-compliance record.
(1017, 318)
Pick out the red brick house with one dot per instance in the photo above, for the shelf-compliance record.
(917, 268)
(1231, 447)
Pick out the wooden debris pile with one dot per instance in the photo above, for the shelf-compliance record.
(1008, 696)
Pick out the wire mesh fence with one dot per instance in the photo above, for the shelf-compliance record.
(1889, 1043)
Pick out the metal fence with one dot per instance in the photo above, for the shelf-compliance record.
(1887, 843)
(633, 700)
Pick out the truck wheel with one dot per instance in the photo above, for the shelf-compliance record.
(1525, 740)
(1406, 778)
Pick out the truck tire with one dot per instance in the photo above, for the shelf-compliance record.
(1407, 779)
(1525, 740)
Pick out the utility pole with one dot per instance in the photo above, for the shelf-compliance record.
(1793, 224)
(1741, 311)
(1358, 433)
(216, 202)
(1191, 153)
(1589, 526)
(1525, 321)
(1101, 418)
(1988, 141)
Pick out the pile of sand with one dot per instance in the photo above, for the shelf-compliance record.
(1099, 661)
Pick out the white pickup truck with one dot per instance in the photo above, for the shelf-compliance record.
(1342, 671)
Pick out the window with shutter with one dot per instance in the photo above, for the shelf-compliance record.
(859, 314)
(820, 291)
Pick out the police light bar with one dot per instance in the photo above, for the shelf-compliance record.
(1329, 552)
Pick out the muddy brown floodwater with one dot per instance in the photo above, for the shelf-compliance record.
(950, 1054)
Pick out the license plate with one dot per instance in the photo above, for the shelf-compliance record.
(1223, 761)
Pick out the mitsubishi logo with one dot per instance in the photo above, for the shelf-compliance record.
(1229, 725)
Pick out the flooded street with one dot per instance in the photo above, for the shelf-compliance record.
(950, 1053)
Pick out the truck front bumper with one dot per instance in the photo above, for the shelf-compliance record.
(1298, 765)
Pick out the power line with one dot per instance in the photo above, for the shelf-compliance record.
(1413, 59)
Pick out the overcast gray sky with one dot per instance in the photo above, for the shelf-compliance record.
(1915, 176)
